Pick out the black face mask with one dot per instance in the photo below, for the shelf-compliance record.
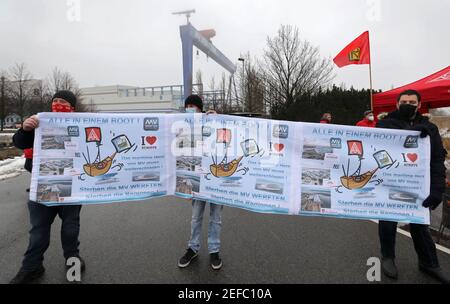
(407, 111)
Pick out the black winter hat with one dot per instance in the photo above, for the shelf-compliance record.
(194, 100)
(67, 96)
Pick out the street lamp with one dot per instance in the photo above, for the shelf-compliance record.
(243, 75)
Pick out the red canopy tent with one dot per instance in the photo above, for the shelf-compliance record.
(434, 89)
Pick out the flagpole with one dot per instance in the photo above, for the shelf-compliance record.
(371, 93)
(370, 75)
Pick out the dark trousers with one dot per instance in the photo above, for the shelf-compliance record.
(423, 243)
(41, 219)
(28, 164)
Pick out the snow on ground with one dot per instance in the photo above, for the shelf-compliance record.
(6, 138)
(445, 132)
(11, 167)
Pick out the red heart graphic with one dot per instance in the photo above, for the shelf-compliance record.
(278, 147)
(412, 157)
(151, 139)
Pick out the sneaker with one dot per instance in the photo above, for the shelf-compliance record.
(389, 268)
(26, 277)
(216, 261)
(187, 258)
(82, 264)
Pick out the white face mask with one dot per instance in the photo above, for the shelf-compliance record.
(191, 110)
(371, 118)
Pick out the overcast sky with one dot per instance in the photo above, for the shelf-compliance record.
(137, 42)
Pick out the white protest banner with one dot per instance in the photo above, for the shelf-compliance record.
(256, 164)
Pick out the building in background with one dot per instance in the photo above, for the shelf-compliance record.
(12, 120)
(161, 99)
(121, 98)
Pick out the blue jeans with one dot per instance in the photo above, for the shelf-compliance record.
(41, 219)
(214, 228)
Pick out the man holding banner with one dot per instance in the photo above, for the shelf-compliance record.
(194, 104)
(41, 216)
(407, 117)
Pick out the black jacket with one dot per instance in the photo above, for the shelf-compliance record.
(24, 140)
(437, 167)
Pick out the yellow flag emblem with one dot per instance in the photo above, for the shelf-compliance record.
(355, 55)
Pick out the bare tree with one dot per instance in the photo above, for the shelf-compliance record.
(251, 86)
(55, 80)
(223, 107)
(218, 95)
(61, 80)
(20, 88)
(42, 97)
(211, 96)
(199, 82)
(293, 67)
(212, 83)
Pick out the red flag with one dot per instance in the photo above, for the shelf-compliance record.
(357, 52)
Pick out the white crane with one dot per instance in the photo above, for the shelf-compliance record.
(187, 13)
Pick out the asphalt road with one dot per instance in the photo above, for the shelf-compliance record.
(140, 242)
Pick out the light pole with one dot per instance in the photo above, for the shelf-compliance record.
(242, 81)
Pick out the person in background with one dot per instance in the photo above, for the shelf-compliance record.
(194, 104)
(326, 118)
(41, 216)
(407, 117)
(368, 121)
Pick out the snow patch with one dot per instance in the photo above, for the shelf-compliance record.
(11, 167)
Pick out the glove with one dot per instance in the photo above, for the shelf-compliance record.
(424, 131)
(433, 201)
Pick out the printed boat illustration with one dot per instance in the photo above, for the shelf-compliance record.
(225, 169)
(357, 181)
(99, 167)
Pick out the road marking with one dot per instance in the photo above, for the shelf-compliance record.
(440, 247)
(406, 233)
